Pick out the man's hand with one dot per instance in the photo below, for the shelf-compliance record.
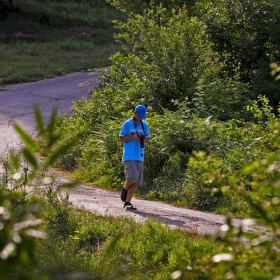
(135, 137)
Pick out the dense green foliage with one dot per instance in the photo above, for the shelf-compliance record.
(77, 244)
(244, 34)
(198, 99)
(214, 137)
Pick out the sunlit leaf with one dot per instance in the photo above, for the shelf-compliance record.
(30, 158)
(52, 139)
(250, 167)
(52, 120)
(257, 207)
(57, 153)
(39, 120)
(256, 275)
(28, 141)
(15, 160)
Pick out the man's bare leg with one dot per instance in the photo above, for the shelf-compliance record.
(130, 192)
(127, 185)
(129, 189)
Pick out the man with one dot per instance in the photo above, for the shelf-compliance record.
(134, 134)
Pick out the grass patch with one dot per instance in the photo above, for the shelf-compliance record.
(102, 247)
(48, 39)
(49, 60)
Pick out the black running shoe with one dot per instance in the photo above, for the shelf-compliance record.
(123, 194)
(129, 207)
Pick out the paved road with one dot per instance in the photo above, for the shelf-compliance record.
(16, 104)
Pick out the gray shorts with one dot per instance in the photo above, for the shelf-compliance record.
(133, 171)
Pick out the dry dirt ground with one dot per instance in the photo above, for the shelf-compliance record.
(16, 104)
(105, 202)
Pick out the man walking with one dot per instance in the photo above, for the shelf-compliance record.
(134, 134)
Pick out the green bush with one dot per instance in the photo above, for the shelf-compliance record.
(176, 136)
(192, 107)
(177, 76)
(86, 246)
(164, 62)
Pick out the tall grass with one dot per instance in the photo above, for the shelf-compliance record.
(98, 247)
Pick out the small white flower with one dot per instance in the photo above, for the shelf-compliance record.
(207, 121)
(17, 176)
(224, 228)
(47, 180)
(7, 250)
(176, 274)
(222, 257)
(258, 241)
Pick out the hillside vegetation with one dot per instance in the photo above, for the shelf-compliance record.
(44, 39)
(208, 74)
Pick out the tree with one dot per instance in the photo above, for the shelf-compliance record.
(166, 54)
(139, 6)
(244, 34)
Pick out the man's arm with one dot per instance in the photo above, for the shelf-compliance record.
(128, 138)
(147, 138)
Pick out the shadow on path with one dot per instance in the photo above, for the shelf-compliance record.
(157, 217)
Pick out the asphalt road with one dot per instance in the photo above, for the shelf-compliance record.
(17, 103)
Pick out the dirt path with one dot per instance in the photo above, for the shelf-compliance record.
(106, 202)
(16, 105)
